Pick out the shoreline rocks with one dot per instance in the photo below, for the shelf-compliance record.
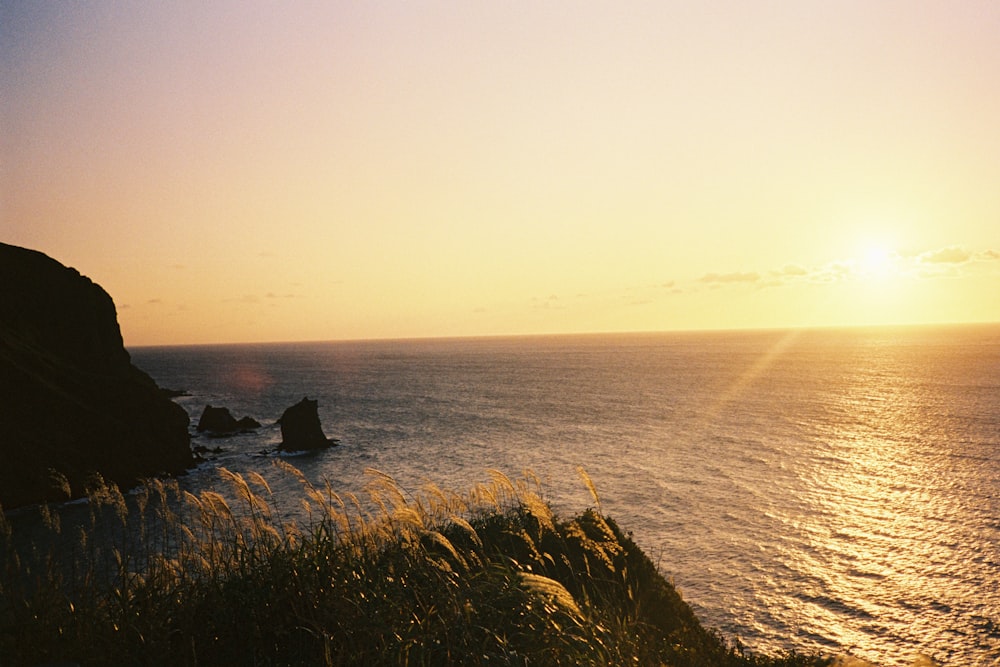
(220, 423)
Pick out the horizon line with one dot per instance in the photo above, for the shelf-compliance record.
(581, 334)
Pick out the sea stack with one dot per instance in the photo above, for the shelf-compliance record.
(72, 402)
(219, 422)
(300, 428)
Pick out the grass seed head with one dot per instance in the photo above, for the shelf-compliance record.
(551, 590)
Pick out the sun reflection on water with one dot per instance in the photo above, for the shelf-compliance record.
(882, 536)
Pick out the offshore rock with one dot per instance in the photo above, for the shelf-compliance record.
(300, 428)
(71, 402)
(220, 422)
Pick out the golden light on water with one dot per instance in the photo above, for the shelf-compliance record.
(828, 490)
(742, 383)
(884, 524)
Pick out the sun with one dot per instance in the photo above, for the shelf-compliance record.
(877, 262)
(875, 290)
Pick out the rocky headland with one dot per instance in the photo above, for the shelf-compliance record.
(71, 402)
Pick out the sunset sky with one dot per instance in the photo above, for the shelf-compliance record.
(265, 171)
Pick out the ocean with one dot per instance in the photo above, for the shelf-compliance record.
(831, 490)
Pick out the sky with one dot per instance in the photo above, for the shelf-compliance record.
(261, 171)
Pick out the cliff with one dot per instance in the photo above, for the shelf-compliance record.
(71, 402)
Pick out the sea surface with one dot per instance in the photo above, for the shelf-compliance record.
(832, 490)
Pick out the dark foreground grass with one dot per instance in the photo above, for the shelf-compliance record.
(491, 577)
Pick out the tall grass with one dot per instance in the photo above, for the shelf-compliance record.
(486, 577)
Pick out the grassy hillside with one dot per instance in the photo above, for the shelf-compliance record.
(490, 577)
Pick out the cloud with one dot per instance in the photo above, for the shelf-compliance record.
(951, 255)
(949, 261)
(832, 272)
(736, 277)
(793, 270)
(246, 298)
(785, 275)
(552, 301)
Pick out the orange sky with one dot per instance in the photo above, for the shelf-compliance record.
(246, 171)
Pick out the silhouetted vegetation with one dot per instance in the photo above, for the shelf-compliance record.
(485, 578)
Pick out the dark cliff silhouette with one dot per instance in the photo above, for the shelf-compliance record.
(71, 402)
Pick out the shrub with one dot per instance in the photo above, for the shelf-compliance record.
(485, 578)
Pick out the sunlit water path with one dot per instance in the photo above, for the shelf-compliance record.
(831, 490)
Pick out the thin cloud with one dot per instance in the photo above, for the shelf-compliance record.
(832, 272)
(246, 298)
(793, 270)
(952, 255)
(550, 302)
(786, 275)
(950, 261)
(727, 278)
(794, 273)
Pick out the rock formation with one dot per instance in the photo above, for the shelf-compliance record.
(71, 402)
(220, 422)
(300, 428)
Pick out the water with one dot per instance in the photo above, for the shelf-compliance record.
(814, 490)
